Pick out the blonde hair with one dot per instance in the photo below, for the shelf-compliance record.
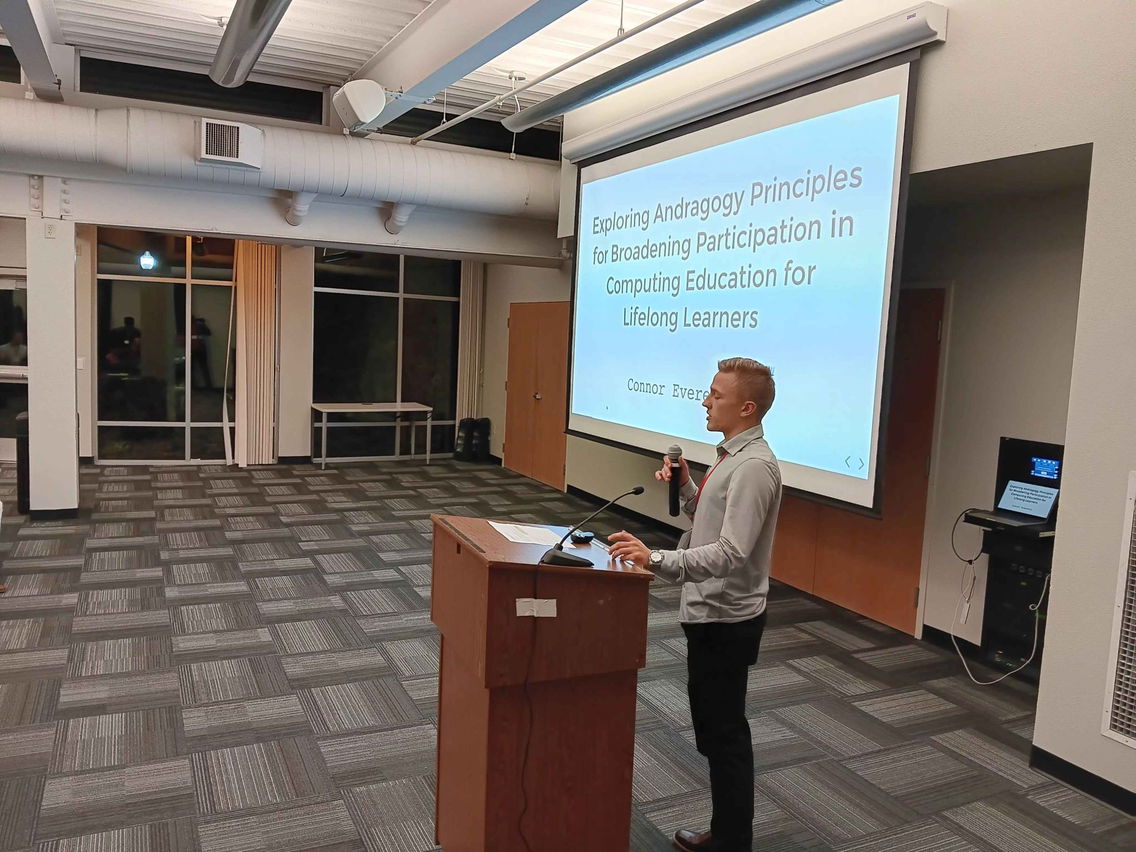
(755, 380)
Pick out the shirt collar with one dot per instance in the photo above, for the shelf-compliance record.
(734, 444)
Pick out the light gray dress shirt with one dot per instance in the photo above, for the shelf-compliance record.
(723, 560)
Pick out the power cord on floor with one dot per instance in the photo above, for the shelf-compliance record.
(964, 598)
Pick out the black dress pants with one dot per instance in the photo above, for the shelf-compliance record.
(718, 657)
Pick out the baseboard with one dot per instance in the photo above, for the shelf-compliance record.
(624, 512)
(1083, 780)
(496, 460)
(53, 514)
(293, 459)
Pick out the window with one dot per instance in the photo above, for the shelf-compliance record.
(149, 83)
(386, 330)
(485, 133)
(9, 65)
(13, 323)
(13, 353)
(165, 345)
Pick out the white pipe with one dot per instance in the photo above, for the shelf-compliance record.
(623, 36)
(399, 216)
(749, 21)
(893, 34)
(299, 206)
(247, 33)
(162, 145)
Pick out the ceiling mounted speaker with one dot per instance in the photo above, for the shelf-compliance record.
(359, 102)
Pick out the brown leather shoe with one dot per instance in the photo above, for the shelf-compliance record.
(693, 841)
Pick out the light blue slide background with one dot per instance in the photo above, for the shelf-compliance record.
(822, 341)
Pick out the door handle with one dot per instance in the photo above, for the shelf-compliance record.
(537, 396)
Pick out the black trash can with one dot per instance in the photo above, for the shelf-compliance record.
(463, 441)
(23, 491)
(479, 443)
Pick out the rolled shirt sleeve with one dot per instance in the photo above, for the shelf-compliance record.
(687, 493)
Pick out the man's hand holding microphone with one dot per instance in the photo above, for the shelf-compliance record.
(676, 474)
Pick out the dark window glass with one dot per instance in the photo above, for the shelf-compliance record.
(429, 276)
(357, 270)
(430, 354)
(355, 348)
(141, 351)
(209, 443)
(125, 253)
(13, 400)
(208, 338)
(13, 326)
(142, 443)
(485, 133)
(127, 80)
(9, 65)
(441, 439)
(211, 258)
(355, 441)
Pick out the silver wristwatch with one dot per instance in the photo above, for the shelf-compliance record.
(656, 558)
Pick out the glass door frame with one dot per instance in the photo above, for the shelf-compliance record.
(187, 422)
(12, 374)
(399, 423)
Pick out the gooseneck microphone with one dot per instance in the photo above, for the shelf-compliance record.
(674, 454)
(557, 556)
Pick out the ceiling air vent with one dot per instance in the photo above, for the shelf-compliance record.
(1120, 701)
(228, 143)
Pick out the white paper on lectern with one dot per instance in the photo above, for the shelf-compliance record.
(525, 534)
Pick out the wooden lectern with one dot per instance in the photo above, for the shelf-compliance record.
(536, 715)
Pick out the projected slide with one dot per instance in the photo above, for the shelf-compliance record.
(776, 246)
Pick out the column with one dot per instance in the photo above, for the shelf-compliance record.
(52, 399)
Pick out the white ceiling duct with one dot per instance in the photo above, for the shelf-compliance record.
(246, 34)
(745, 23)
(163, 145)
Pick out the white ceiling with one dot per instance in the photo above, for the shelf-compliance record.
(321, 41)
(325, 41)
(585, 27)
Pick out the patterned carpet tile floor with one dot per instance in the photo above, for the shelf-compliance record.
(242, 660)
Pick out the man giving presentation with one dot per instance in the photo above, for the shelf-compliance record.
(723, 564)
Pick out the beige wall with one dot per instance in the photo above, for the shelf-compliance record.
(505, 284)
(1017, 76)
(1013, 267)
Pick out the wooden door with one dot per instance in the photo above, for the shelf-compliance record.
(537, 391)
(872, 565)
(520, 385)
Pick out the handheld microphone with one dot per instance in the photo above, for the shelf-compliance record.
(557, 556)
(674, 454)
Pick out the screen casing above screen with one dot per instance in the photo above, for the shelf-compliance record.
(672, 241)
